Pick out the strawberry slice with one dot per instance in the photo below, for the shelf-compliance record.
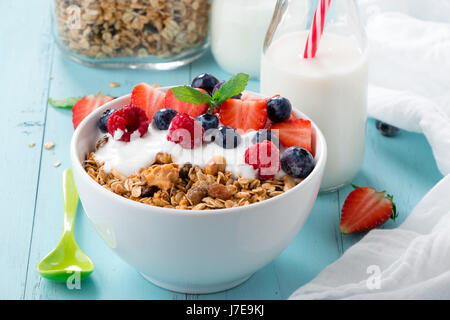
(254, 96)
(148, 98)
(365, 209)
(250, 96)
(184, 107)
(250, 114)
(294, 133)
(83, 107)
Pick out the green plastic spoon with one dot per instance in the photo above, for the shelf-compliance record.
(67, 257)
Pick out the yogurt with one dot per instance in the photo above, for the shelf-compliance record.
(331, 89)
(130, 157)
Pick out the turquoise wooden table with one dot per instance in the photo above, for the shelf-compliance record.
(32, 69)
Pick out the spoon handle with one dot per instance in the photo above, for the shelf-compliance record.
(70, 198)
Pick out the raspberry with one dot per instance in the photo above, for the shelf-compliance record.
(123, 123)
(186, 131)
(264, 157)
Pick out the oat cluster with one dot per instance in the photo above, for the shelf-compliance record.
(165, 184)
(100, 29)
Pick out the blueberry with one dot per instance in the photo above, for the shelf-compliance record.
(184, 170)
(103, 121)
(227, 137)
(264, 134)
(219, 85)
(208, 121)
(149, 191)
(386, 129)
(205, 81)
(279, 109)
(297, 162)
(163, 118)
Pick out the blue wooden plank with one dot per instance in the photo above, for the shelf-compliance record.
(112, 279)
(317, 245)
(25, 62)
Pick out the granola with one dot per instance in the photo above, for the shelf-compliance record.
(100, 29)
(162, 185)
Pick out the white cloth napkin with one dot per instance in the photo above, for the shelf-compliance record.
(409, 42)
(410, 70)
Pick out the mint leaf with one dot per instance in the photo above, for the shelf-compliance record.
(191, 95)
(232, 87)
(66, 103)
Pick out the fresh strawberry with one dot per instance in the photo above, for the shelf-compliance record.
(244, 115)
(184, 107)
(264, 157)
(86, 105)
(148, 98)
(253, 96)
(250, 96)
(269, 123)
(365, 209)
(294, 133)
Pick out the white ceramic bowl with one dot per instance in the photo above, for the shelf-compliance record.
(193, 251)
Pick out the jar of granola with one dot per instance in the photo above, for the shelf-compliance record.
(152, 34)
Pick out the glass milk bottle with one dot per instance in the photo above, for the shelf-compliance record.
(330, 88)
(238, 29)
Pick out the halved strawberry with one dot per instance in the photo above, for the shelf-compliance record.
(244, 115)
(269, 123)
(148, 98)
(294, 133)
(184, 107)
(250, 96)
(83, 107)
(365, 209)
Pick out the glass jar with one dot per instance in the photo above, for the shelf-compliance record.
(330, 88)
(151, 34)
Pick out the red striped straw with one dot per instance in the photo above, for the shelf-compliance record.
(312, 43)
